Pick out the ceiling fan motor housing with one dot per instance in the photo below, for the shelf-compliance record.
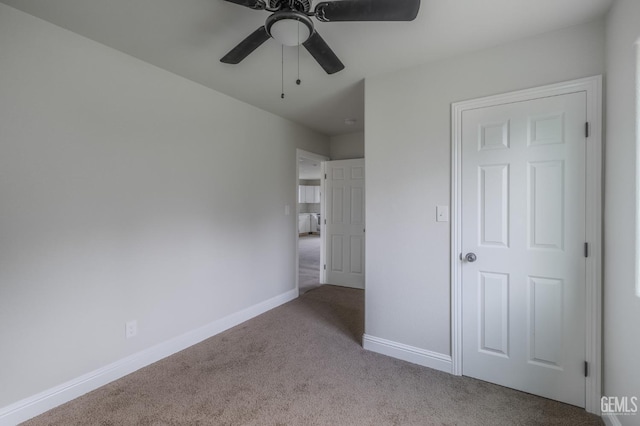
(301, 5)
(289, 27)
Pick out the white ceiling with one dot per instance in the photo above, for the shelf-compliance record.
(309, 168)
(188, 37)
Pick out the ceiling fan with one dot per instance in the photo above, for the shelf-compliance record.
(291, 24)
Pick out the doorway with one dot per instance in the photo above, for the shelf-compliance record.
(526, 241)
(309, 217)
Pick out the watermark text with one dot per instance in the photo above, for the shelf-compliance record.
(619, 405)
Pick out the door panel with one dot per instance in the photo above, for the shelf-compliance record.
(545, 322)
(523, 215)
(494, 314)
(356, 245)
(335, 262)
(494, 205)
(357, 206)
(546, 198)
(344, 195)
(337, 207)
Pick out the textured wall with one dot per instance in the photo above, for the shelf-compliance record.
(347, 146)
(408, 145)
(127, 192)
(621, 306)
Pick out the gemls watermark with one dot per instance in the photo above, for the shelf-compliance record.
(616, 405)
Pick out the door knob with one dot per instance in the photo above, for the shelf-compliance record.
(470, 257)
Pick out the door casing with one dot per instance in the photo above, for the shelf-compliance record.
(593, 320)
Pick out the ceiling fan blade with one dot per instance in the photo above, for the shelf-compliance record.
(253, 4)
(368, 10)
(323, 54)
(246, 46)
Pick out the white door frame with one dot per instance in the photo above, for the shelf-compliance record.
(593, 88)
(320, 158)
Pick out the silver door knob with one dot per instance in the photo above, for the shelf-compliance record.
(470, 257)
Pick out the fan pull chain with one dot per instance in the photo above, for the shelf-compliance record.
(282, 73)
(298, 81)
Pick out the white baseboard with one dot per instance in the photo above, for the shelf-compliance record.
(610, 420)
(51, 398)
(423, 357)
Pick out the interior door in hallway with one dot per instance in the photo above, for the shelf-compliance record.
(523, 236)
(345, 222)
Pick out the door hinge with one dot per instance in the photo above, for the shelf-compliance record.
(586, 249)
(325, 221)
(325, 267)
(325, 176)
(586, 369)
(586, 130)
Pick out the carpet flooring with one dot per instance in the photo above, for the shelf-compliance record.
(308, 263)
(302, 364)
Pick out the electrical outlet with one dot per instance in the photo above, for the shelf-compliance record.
(131, 329)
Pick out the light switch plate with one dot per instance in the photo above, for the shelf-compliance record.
(287, 210)
(442, 213)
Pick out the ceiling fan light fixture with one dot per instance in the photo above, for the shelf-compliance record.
(289, 28)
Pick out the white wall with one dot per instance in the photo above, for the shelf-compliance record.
(127, 192)
(346, 147)
(408, 146)
(621, 306)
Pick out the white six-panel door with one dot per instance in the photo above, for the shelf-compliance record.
(523, 218)
(345, 222)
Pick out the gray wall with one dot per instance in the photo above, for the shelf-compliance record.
(127, 192)
(621, 306)
(346, 147)
(408, 145)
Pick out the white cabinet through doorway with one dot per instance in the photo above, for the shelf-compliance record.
(304, 223)
(308, 194)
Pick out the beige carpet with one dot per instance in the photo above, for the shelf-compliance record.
(303, 364)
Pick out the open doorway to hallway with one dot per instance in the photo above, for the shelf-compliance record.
(309, 221)
(308, 262)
